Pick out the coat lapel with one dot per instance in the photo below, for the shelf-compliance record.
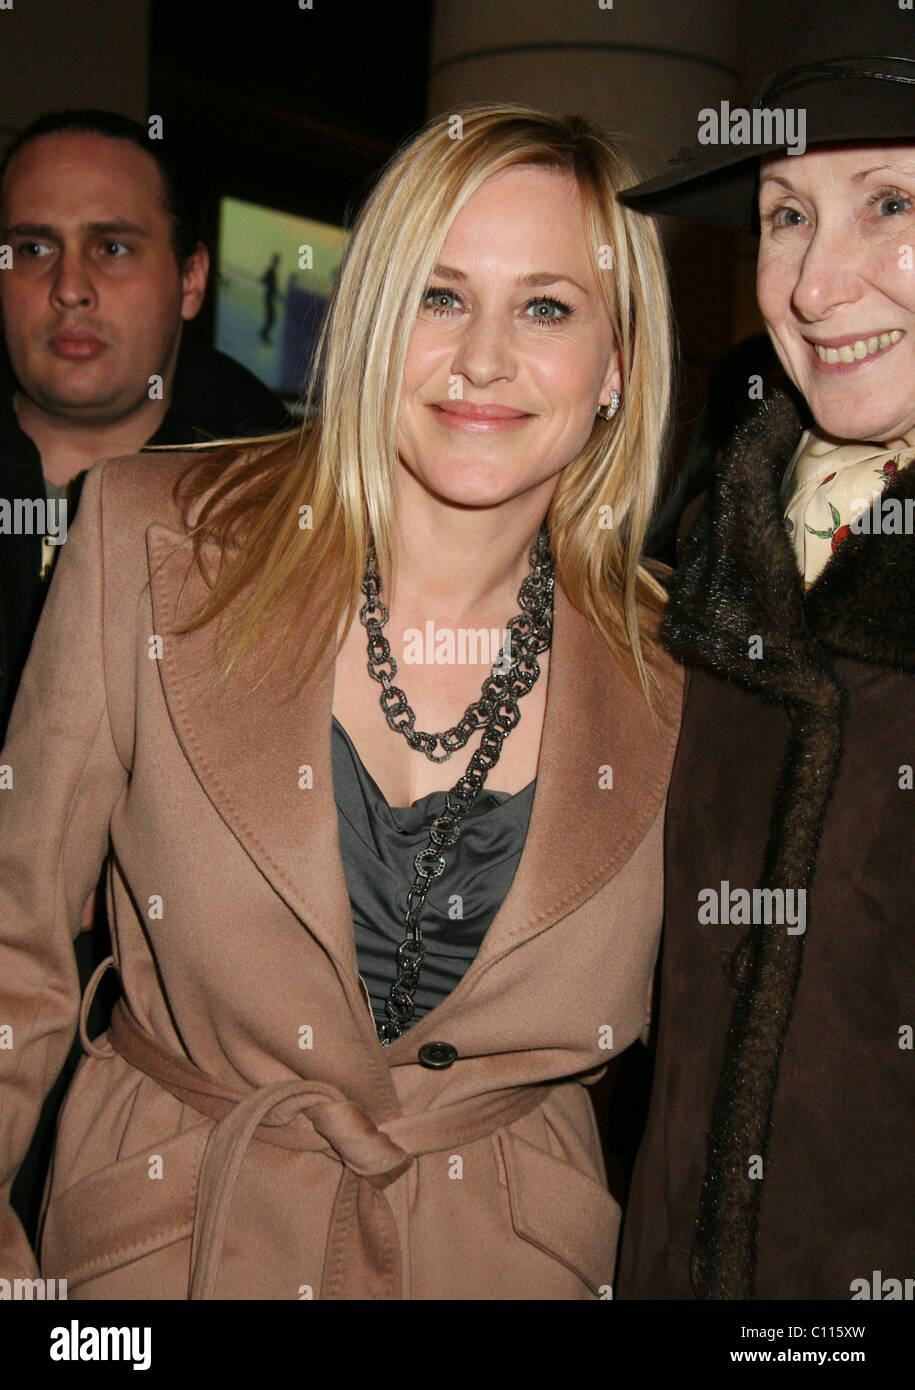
(247, 752)
(597, 729)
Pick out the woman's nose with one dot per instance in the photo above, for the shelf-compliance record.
(828, 275)
(484, 350)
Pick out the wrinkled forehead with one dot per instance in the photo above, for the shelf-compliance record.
(841, 163)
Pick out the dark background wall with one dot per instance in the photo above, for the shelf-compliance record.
(296, 109)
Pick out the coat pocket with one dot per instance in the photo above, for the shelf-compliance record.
(562, 1211)
(125, 1211)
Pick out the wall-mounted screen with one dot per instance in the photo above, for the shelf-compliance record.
(275, 273)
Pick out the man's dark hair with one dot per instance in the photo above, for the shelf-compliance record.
(180, 203)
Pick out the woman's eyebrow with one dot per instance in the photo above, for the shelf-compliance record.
(541, 278)
(448, 272)
(858, 177)
(777, 178)
(879, 169)
(536, 279)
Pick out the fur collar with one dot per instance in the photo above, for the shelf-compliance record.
(738, 578)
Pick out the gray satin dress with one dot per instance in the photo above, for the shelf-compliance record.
(378, 843)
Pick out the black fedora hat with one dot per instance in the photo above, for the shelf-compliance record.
(848, 74)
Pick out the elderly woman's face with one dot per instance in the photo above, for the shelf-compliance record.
(836, 284)
(513, 349)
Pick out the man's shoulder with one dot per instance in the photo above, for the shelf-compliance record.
(20, 462)
(215, 397)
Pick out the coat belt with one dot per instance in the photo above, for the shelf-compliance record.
(362, 1259)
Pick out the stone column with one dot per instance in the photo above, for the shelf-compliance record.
(644, 67)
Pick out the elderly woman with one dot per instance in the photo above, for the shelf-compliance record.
(364, 994)
(777, 1161)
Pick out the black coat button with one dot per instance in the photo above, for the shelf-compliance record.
(437, 1054)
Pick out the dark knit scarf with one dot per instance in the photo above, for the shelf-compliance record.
(738, 579)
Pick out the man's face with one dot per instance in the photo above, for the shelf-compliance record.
(94, 303)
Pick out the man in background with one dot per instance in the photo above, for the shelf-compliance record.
(104, 266)
(101, 266)
(270, 282)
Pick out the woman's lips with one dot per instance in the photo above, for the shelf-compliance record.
(478, 419)
(844, 355)
(76, 347)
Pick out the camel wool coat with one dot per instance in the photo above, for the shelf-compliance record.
(240, 1132)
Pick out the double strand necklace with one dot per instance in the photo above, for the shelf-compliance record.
(496, 712)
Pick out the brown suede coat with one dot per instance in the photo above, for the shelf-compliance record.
(246, 1136)
(777, 1161)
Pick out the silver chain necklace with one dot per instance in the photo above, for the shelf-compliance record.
(496, 712)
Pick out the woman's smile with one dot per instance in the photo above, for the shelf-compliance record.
(840, 355)
(478, 418)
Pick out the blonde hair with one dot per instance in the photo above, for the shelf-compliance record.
(342, 462)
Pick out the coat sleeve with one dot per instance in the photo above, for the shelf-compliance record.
(60, 777)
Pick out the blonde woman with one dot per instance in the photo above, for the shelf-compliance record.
(363, 992)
